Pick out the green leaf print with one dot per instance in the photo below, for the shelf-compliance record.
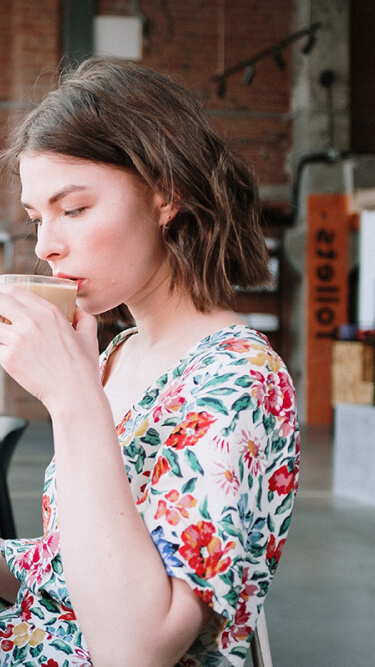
(178, 371)
(286, 504)
(19, 654)
(270, 523)
(57, 565)
(221, 391)
(242, 403)
(213, 403)
(229, 528)
(259, 575)
(189, 486)
(49, 604)
(36, 650)
(244, 381)
(149, 398)
(139, 463)
(285, 525)
(227, 577)
(278, 444)
(38, 612)
(232, 597)
(217, 380)
(263, 586)
(204, 511)
(163, 380)
(239, 651)
(172, 459)
(206, 361)
(151, 437)
(171, 421)
(192, 461)
(269, 423)
(62, 646)
(256, 415)
(198, 580)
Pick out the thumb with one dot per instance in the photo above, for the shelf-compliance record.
(85, 323)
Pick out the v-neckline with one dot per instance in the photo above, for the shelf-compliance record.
(123, 336)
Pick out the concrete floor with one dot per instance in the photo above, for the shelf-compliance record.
(321, 607)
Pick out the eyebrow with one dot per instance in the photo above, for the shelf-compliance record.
(60, 194)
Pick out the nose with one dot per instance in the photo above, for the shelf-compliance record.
(50, 245)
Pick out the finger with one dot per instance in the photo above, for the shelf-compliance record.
(85, 324)
(17, 302)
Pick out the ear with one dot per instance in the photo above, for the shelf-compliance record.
(167, 213)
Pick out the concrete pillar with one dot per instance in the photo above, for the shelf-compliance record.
(321, 136)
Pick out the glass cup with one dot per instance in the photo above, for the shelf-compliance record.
(60, 291)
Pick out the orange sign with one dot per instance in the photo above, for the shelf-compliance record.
(327, 296)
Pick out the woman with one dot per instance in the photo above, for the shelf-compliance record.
(160, 551)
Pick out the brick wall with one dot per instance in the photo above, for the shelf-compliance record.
(191, 41)
(196, 40)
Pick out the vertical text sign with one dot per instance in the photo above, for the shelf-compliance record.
(327, 296)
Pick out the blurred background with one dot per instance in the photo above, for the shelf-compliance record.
(290, 85)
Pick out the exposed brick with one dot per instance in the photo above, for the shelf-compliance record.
(190, 41)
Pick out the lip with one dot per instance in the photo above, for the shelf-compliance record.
(79, 281)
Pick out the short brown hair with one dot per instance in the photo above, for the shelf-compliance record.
(115, 112)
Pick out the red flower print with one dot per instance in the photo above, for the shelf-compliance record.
(169, 401)
(240, 630)
(26, 605)
(206, 595)
(172, 506)
(160, 468)
(7, 632)
(46, 512)
(121, 427)
(273, 391)
(68, 614)
(50, 663)
(6, 645)
(227, 478)
(203, 550)
(189, 431)
(248, 589)
(37, 560)
(282, 481)
(221, 443)
(236, 345)
(274, 551)
(253, 453)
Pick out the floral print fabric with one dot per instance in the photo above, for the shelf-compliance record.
(211, 452)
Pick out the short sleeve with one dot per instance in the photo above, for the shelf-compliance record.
(219, 499)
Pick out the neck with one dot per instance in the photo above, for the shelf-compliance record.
(176, 323)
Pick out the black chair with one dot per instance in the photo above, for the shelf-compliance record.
(11, 429)
(260, 647)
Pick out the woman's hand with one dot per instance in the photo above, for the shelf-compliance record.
(41, 350)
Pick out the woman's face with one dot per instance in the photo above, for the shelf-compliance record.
(97, 224)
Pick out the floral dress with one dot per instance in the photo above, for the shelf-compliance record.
(211, 452)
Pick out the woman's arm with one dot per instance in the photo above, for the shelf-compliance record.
(116, 579)
(9, 585)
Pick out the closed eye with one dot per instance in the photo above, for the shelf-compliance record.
(74, 212)
(33, 221)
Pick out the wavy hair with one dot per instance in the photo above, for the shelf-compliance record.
(116, 112)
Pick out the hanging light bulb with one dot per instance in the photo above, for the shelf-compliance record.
(279, 60)
(249, 74)
(222, 86)
(309, 44)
